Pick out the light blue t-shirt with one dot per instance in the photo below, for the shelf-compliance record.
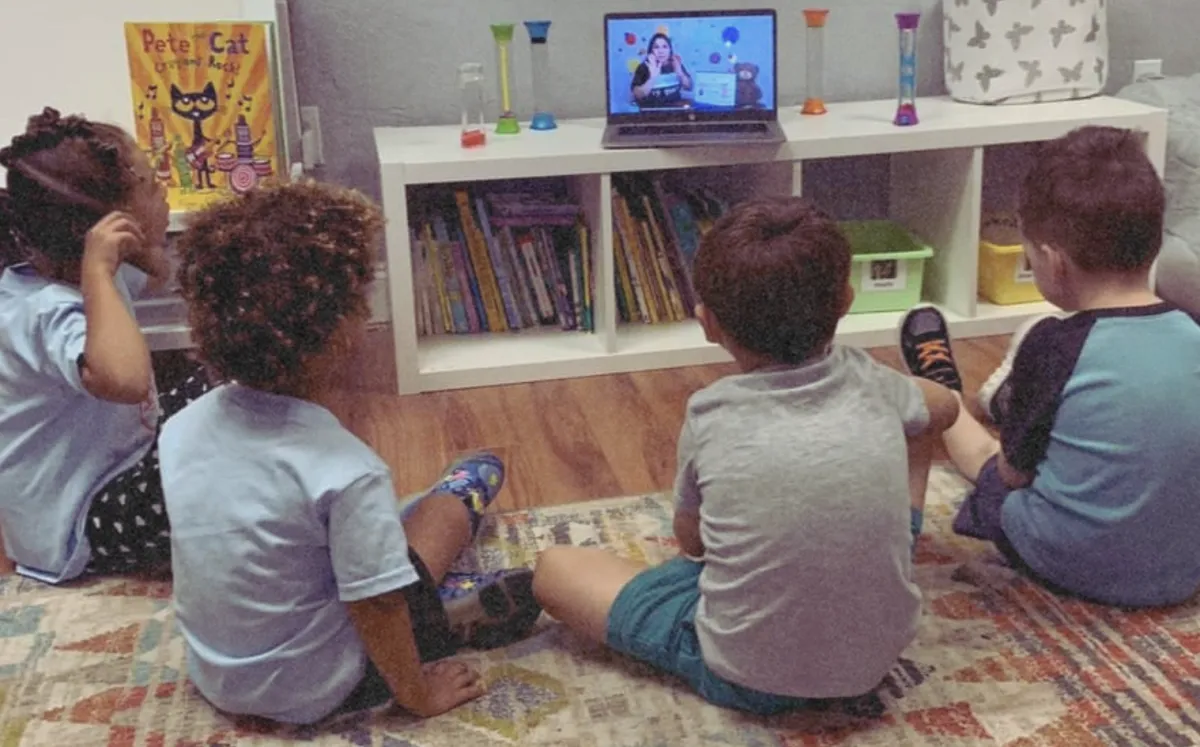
(279, 516)
(59, 445)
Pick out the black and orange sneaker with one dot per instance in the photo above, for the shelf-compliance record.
(925, 347)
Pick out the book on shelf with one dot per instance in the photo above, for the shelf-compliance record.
(487, 258)
(206, 106)
(656, 231)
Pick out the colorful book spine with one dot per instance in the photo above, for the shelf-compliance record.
(489, 290)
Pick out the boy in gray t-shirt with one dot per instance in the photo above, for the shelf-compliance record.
(800, 486)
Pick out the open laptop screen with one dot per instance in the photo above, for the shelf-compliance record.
(668, 65)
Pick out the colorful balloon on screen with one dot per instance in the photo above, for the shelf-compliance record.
(662, 30)
(633, 64)
(714, 58)
(630, 39)
(730, 35)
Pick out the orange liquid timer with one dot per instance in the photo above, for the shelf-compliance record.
(814, 69)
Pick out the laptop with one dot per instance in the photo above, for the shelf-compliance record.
(687, 78)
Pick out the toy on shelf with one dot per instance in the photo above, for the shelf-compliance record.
(814, 102)
(242, 168)
(503, 34)
(539, 56)
(906, 110)
(470, 92)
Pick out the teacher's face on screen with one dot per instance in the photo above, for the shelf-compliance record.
(660, 48)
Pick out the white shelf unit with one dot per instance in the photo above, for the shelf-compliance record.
(935, 188)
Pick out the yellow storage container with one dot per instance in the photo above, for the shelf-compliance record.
(1005, 276)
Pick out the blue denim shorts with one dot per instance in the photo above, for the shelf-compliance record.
(653, 620)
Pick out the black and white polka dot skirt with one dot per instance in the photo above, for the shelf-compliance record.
(127, 523)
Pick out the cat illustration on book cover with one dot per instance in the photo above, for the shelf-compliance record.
(197, 107)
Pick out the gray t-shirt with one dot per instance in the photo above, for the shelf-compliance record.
(800, 477)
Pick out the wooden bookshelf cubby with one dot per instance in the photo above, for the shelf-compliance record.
(853, 161)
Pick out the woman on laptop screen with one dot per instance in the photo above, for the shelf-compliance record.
(662, 78)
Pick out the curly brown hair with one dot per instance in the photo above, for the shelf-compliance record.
(1094, 194)
(63, 175)
(774, 273)
(271, 276)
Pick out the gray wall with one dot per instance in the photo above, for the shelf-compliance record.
(368, 63)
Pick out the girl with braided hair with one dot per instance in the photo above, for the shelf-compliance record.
(82, 226)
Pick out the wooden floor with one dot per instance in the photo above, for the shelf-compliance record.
(563, 441)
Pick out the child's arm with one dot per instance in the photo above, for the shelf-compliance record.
(372, 566)
(385, 626)
(687, 497)
(943, 406)
(1041, 368)
(687, 532)
(1014, 478)
(116, 360)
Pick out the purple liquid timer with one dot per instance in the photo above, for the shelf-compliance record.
(906, 110)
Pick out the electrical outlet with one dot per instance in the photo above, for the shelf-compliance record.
(1147, 69)
(312, 143)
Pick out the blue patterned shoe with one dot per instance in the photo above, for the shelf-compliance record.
(487, 610)
(476, 480)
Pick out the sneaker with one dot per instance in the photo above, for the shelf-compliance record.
(925, 347)
(995, 392)
(476, 480)
(488, 610)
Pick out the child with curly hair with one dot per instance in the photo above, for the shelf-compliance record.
(83, 223)
(301, 587)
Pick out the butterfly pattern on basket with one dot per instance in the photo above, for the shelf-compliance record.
(1024, 51)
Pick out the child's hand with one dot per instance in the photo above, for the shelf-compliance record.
(448, 684)
(116, 238)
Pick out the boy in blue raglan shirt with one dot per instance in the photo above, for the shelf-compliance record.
(1092, 486)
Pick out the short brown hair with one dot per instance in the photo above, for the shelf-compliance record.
(774, 272)
(63, 175)
(269, 278)
(1095, 195)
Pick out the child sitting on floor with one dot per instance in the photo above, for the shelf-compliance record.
(799, 489)
(301, 588)
(79, 411)
(1092, 486)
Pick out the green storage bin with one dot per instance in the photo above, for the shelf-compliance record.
(888, 266)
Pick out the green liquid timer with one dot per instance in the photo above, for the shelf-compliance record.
(503, 34)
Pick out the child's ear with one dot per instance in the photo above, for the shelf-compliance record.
(712, 331)
(847, 300)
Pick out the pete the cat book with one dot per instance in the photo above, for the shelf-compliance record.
(204, 105)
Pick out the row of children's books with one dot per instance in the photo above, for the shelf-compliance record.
(656, 232)
(497, 258)
(504, 257)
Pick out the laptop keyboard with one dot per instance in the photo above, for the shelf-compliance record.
(692, 128)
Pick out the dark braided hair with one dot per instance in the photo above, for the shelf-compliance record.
(64, 175)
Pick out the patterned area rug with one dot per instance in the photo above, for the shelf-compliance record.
(997, 662)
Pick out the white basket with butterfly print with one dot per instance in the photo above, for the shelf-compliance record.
(1025, 51)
